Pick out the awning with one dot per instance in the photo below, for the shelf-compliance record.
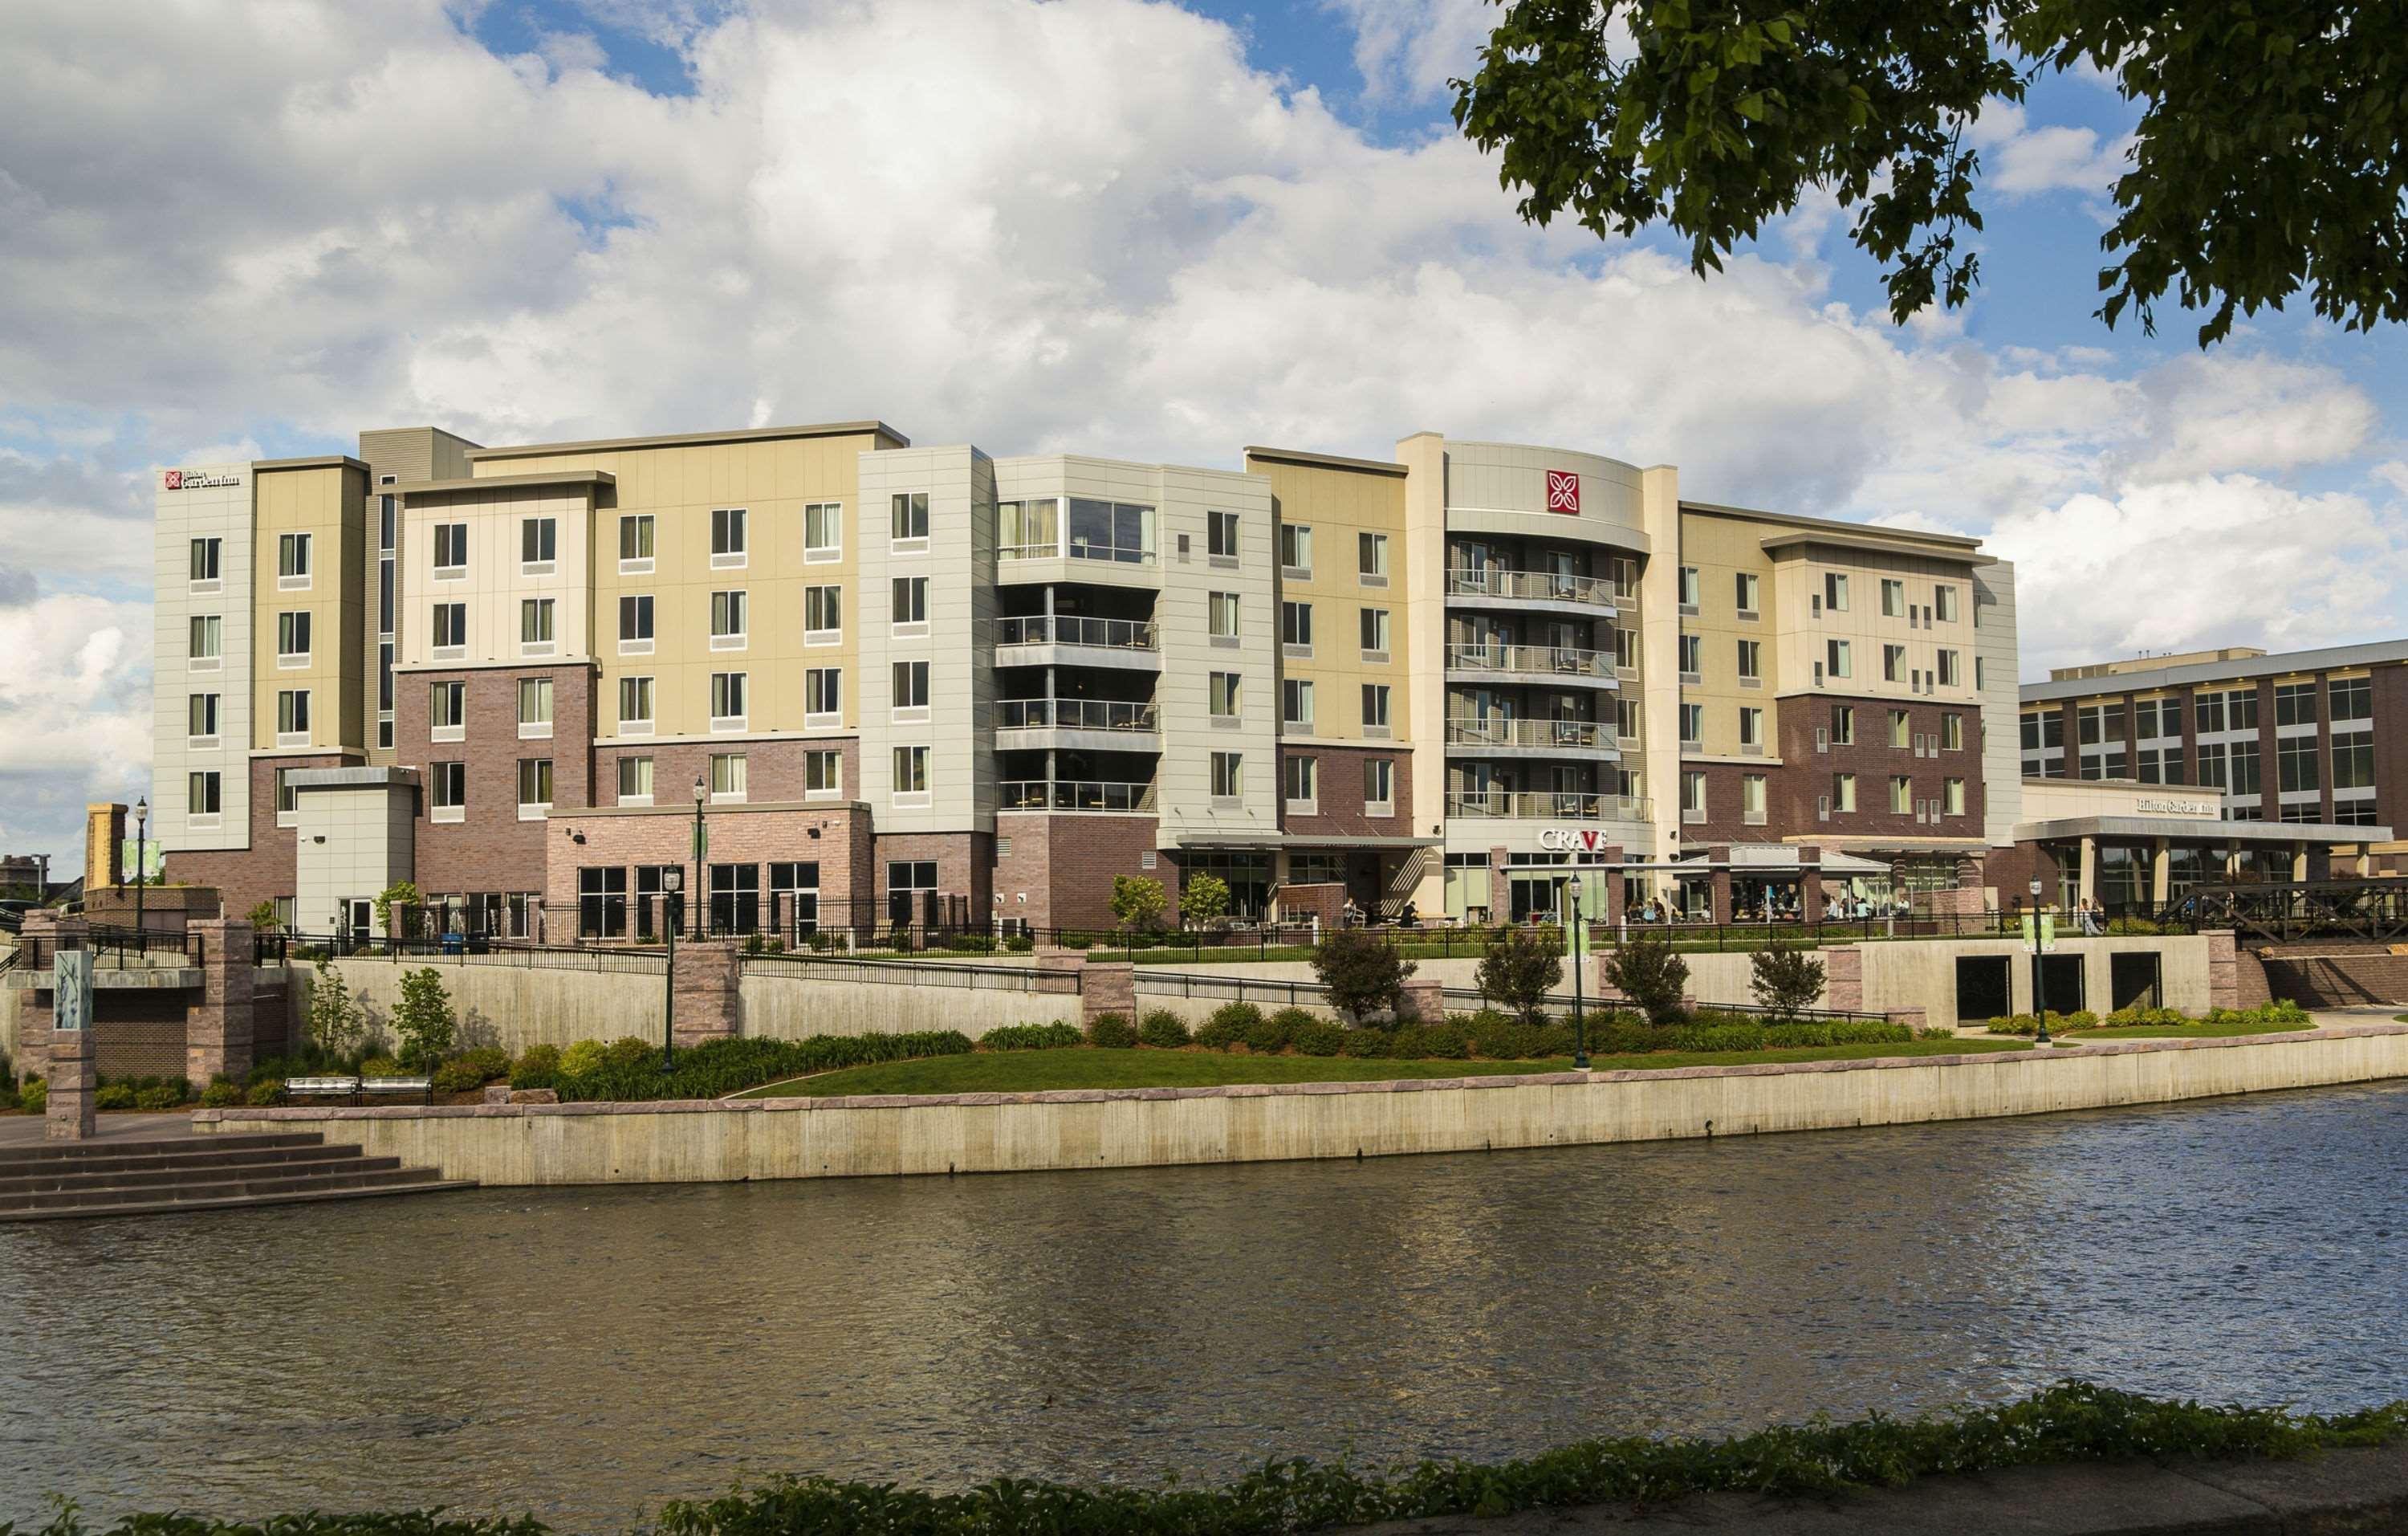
(2192, 829)
(1778, 859)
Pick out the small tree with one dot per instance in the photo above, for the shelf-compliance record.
(263, 917)
(335, 1022)
(1363, 973)
(424, 1019)
(400, 892)
(1785, 979)
(1521, 967)
(1646, 971)
(1138, 900)
(1205, 899)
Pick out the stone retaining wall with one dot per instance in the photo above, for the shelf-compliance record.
(981, 1133)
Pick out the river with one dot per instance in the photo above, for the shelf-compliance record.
(586, 1353)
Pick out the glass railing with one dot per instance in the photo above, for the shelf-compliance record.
(1073, 714)
(1073, 794)
(1068, 630)
(1529, 733)
(1530, 586)
(1567, 805)
(1548, 660)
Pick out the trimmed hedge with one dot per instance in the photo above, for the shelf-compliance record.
(1032, 1037)
(1111, 1033)
(718, 1068)
(1162, 1030)
(1230, 1024)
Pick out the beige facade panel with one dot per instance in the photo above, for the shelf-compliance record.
(311, 518)
(883, 436)
(1323, 510)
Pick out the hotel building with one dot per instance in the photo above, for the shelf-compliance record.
(927, 684)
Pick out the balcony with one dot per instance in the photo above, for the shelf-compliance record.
(1070, 640)
(1493, 586)
(1548, 805)
(1537, 663)
(1502, 738)
(1096, 724)
(1095, 794)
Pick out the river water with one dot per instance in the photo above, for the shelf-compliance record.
(584, 1353)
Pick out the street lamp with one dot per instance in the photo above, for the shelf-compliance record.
(671, 878)
(701, 792)
(1580, 956)
(2040, 964)
(141, 821)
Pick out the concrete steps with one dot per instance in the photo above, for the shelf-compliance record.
(70, 1179)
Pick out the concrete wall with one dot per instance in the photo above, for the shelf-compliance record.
(965, 1133)
(788, 1009)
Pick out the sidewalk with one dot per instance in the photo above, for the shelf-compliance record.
(17, 1130)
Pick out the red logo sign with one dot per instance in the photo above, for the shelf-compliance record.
(175, 479)
(1563, 492)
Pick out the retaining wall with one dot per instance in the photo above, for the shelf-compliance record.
(983, 1133)
(2337, 976)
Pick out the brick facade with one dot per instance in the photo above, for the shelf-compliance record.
(965, 868)
(773, 771)
(1058, 872)
(267, 871)
(746, 834)
(1341, 808)
(493, 850)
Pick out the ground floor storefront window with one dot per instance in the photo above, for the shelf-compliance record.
(602, 903)
(1247, 875)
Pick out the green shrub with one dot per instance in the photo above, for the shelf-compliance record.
(1646, 971)
(1500, 1037)
(1521, 967)
(33, 1095)
(1935, 1031)
(264, 1094)
(424, 1019)
(1270, 1035)
(1162, 1030)
(1366, 1043)
(383, 1066)
(1432, 1042)
(222, 1094)
(584, 1058)
(1230, 1023)
(1019, 943)
(490, 1061)
(718, 1068)
(2081, 1018)
(1719, 1036)
(537, 1067)
(457, 1077)
(631, 1051)
(1111, 1033)
(1366, 975)
(1557, 1038)
(115, 1095)
(1032, 1037)
(158, 1095)
(1320, 1038)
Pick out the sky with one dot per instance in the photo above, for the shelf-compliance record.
(1145, 228)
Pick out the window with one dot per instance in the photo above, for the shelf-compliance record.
(201, 791)
(1893, 599)
(539, 543)
(1693, 723)
(906, 881)
(1951, 674)
(908, 519)
(2295, 764)
(201, 716)
(910, 685)
(1692, 657)
(727, 776)
(288, 797)
(1375, 708)
(823, 531)
(447, 790)
(2353, 763)
(207, 553)
(1837, 659)
(1221, 536)
(535, 787)
(1901, 728)
(1750, 592)
(535, 707)
(1379, 786)
(910, 771)
(293, 560)
(1626, 649)
(1943, 604)
(822, 615)
(292, 640)
(535, 623)
(822, 773)
(1952, 732)
(1835, 591)
(204, 640)
(635, 543)
(1901, 795)
(2240, 710)
(2211, 712)
(1751, 661)
(1110, 530)
(450, 549)
(1221, 617)
(1625, 718)
(823, 696)
(1952, 799)
(1751, 799)
(727, 536)
(1229, 776)
(1302, 789)
(1844, 792)
(602, 902)
(1692, 795)
(1375, 633)
(1843, 725)
(634, 703)
(636, 623)
(293, 717)
(447, 709)
(1221, 690)
(1893, 663)
(2211, 764)
(911, 600)
(1296, 703)
(2295, 704)
(1296, 629)
(2245, 776)
(450, 626)
(1692, 593)
(1372, 558)
(727, 700)
(635, 780)
(727, 621)
(2353, 698)
(1751, 726)
(1296, 549)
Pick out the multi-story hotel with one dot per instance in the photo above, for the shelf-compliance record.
(928, 683)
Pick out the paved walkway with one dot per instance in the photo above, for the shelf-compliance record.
(17, 1130)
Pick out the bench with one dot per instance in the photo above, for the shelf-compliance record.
(320, 1087)
(422, 1088)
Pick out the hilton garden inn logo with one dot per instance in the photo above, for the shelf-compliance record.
(193, 479)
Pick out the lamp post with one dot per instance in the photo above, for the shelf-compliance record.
(141, 822)
(2040, 964)
(671, 878)
(701, 887)
(1579, 958)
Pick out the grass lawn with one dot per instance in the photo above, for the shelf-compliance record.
(2175, 1031)
(1026, 1072)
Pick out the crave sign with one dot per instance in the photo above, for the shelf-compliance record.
(1572, 839)
(193, 479)
(1563, 492)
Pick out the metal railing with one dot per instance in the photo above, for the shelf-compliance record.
(1073, 794)
(1152, 982)
(1532, 660)
(1548, 804)
(457, 949)
(1074, 714)
(956, 973)
(1529, 733)
(1531, 586)
(1073, 629)
(115, 948)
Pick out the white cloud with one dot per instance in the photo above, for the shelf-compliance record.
(2019, 160)
(1407, 50)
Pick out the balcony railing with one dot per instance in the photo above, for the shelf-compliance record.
(1529, 733)
(1534, 660)
(1073, 714)
(1531, 586)
(1073, 794)
(1071, 629)
(1541, 804)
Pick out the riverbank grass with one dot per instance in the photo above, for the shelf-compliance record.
(1034, 1071)
(2218, 1030)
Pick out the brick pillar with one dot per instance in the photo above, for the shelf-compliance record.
(2223, 968)
(1500, 889)
(218, 1033)
(1810, 884)
(1616, 904)
(71, 1115)
(1843, 979)
(1720, 859)
(704, 992)
(1108, 986)
(1425, 999)
(103, 830)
